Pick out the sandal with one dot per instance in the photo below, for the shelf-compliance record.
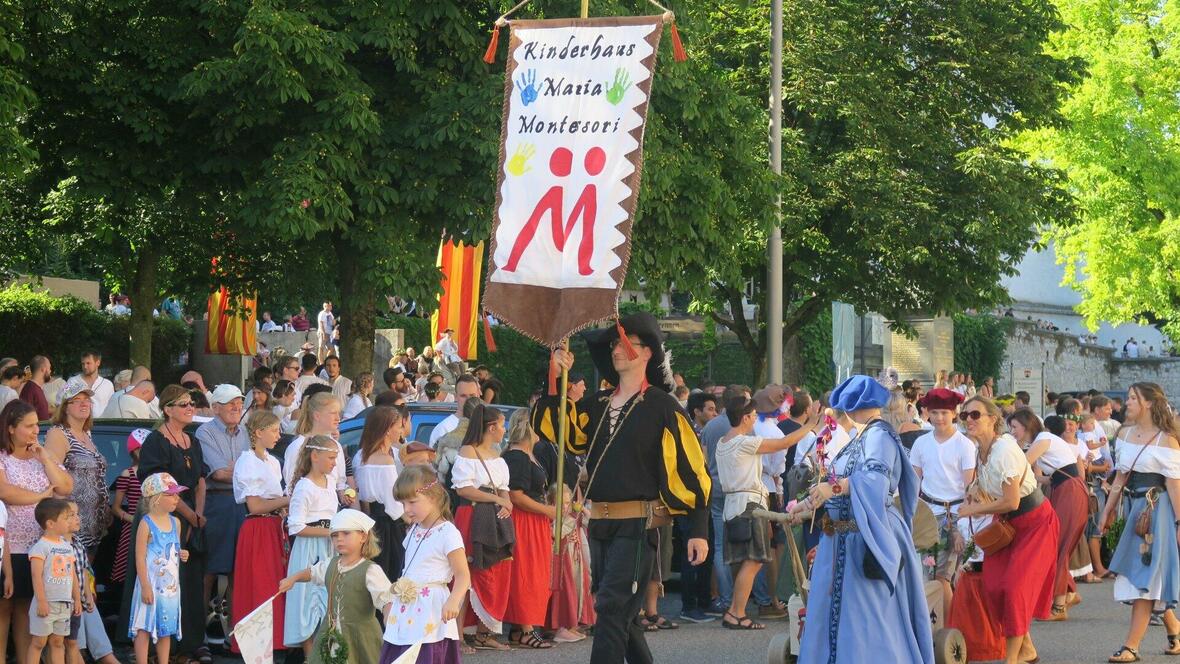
(1110, 575)
(485, 641)
(1121, 654)
(661, 622)
(533, 640)
(646, 625)
(1173, 645)
(515, 635)
(203, 655)
(744, 623)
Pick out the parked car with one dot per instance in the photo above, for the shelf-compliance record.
(423, 418)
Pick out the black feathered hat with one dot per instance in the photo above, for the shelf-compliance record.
(647, 328)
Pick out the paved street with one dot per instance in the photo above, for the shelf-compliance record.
(1096, 627)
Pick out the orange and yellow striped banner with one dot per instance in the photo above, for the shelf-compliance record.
(458, 306)
(229, 333)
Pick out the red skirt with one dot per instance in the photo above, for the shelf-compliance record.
(489, 587)
(1071, 503)
(532, 562)
(969, 615)
(1018, 579)
(571, 604)
(261, 550)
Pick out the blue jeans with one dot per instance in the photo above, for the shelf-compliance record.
(720, 570)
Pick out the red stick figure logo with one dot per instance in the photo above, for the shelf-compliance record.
(553, 202)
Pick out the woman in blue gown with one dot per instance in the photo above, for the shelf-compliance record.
(867, 601)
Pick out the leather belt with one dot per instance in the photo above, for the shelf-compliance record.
(837, 527)
(941, 503)
(1027, 504)
(654, 511)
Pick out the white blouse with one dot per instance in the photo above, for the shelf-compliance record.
(471, 473)
(1155, 459)
(376, 582)
(310, 503)
(1060, 453)
(356, 403)
(1004, 462)
(427, 565)
(256, 477)
(374, 484)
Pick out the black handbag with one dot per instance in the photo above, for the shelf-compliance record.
(739, 530)
(198, 544)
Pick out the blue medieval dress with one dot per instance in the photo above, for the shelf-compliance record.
(867, 601)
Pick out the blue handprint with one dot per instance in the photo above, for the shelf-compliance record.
(528, 87)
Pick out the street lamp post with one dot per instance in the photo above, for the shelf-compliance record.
(774, 291)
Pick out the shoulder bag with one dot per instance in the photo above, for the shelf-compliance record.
(999, 533)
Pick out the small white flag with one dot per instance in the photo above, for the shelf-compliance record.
(409, 656)
(255, 634)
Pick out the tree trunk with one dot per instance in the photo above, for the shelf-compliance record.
(753, 342)
(357, 309)
(793, 360)
(143, 301)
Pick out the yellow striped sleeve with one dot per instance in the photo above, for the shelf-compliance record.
(688, 482)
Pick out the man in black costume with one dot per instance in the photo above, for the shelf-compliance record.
(645, 465)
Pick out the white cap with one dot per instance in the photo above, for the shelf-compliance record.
(226, 393)
(350, 519)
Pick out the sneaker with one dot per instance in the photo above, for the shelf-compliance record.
(772, 612)
(696, 616)
(716, 609)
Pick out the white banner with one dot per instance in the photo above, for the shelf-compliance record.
(570, 113)
(255, 634)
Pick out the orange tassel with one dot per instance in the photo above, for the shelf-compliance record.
(630, 350)
(489, 55)
(552, 377)
(487, 334)
(678, 53)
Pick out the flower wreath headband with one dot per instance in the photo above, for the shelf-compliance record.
(426, 487)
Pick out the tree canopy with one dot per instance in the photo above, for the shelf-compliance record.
(1119, 149)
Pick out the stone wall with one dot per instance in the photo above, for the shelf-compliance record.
(1068, 364)
(1162, 370)
(236, 369)
(1071, 365)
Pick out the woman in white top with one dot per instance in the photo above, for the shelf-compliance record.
(258, 484)
(739, 468)
(320, 416)
(1017, 579)
(1056, 462)
(361, 396)
(375, 476)
(481, 476)
(1149, 476)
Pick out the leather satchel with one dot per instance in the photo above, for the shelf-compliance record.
(999, 533)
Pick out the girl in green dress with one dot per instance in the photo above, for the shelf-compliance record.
(350, 632)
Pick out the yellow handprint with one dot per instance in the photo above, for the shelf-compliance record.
(518, 164)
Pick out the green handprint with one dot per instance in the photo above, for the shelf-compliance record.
(614, 94)
(518, 164)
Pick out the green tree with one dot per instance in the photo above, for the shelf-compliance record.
(15, 101)
(900, 193)
(1119, 150)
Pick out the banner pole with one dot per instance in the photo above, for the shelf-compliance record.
(559, 503)
(585, 8)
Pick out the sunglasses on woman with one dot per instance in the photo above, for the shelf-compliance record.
(182, 404)
(970, 415)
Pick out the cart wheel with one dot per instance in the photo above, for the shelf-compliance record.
(949, 647)
(779, 651)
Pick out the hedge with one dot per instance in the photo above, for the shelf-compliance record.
(980, 343)
(62, 328)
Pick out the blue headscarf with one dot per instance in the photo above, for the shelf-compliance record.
(859, 392)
